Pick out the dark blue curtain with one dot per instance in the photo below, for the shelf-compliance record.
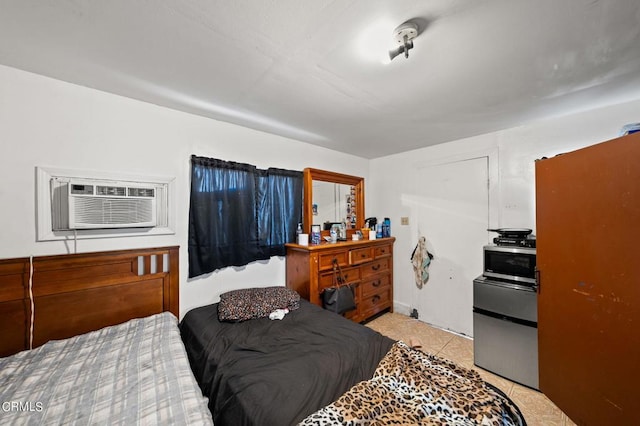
(239, 213)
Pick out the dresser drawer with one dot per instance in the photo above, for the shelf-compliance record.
(325, 260)
(382, 251)
(350, 275)
(374, 285)
(374, 303)
(361, 255)
(376, 267)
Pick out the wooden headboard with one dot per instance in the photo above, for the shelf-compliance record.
(78, 293)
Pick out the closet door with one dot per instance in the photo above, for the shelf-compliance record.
(452, 212)
(588, 246)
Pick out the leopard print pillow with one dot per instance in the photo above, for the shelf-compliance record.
(251, 303)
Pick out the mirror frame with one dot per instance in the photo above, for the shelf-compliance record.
(310, 174)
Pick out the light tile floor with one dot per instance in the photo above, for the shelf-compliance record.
(537, 409)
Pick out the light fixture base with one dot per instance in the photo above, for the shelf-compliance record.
(408, 29)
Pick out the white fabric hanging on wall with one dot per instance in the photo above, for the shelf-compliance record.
(421, 258)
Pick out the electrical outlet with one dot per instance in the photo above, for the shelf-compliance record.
(404, 220)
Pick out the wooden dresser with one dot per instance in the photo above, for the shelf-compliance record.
(368, 264)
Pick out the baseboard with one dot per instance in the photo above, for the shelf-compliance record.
(401, 308)
(404, 309)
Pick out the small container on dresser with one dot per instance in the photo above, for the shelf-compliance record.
(367, 264)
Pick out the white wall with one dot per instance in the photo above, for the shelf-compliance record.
(46, 122)
(511, 156)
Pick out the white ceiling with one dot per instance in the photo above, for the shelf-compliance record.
(311, 70)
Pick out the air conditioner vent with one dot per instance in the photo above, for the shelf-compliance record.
(111, 206)
(117, 191)
(141, 192)
(111, 212)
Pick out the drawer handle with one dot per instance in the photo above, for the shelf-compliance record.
(377, 283)
(375, 267)
(375, 299)
(383, 251)
(363, 255)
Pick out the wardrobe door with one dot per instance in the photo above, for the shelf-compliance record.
(588, 257)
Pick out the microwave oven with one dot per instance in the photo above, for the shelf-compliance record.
(516, 264)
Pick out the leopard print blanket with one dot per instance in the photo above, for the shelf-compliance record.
(410, 387)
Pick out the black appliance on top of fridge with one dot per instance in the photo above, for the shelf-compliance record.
(505, 334)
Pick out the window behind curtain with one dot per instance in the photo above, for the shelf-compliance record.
(239, 213)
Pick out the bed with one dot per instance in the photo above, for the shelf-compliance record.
(105, 338)
(316, 367)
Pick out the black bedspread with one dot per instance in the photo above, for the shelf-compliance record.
(263, 372)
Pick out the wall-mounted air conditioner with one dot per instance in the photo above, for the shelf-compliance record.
(95, 206)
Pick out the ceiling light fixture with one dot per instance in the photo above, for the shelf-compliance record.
(404, 36)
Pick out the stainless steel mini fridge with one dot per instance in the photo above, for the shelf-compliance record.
(505, 333)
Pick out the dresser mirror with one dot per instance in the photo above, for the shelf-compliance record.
(332, 198)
